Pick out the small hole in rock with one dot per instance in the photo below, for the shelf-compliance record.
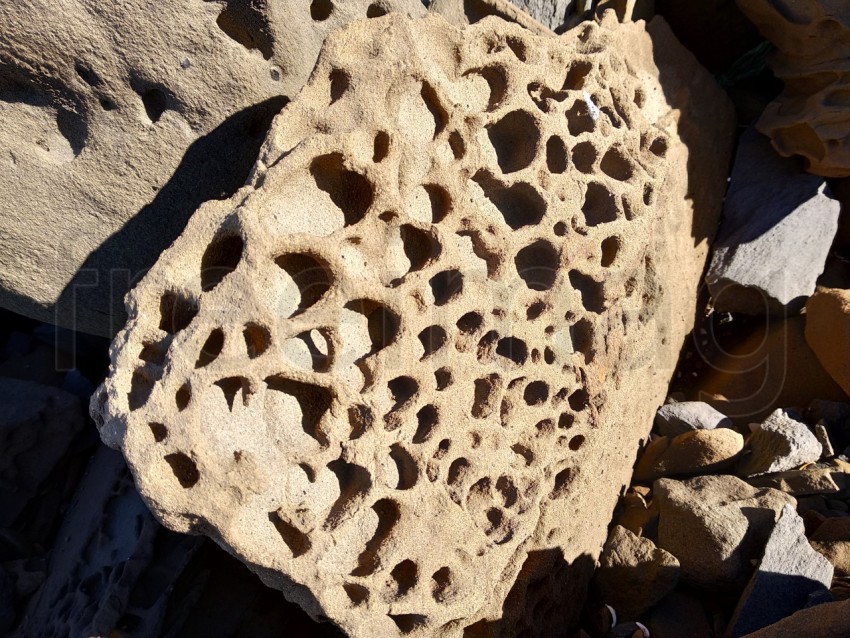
(577, 74)
(220, 259)
(441, 202)
(340, 81)
(375, 11)
(487, 390)
(616, 165)
(579, 119)
(562, 483)
(446, 285)
(420, 246)
(176, 312)
(457, 145)
(581, 334)
(350, 191)
(257, 339)
(599, 207)
(231, 386)
(321, 10)
(536, 393)
(470, 322)
(522, 451)
(87, 74)
(658, 147)
(519, 204)
(584, 157)
(358, 594)
(515, 138)
(211, 349)
(183, 396)
(556, 155)
(297, 541)
(442, 584)
(458, 471)
(497, 82)
(313, 400)
(154, 353)
(548, 355)
(402, 389)
(427, 419)
(155, 102)
(382, 147)
(432, 338)
(311, 277)
(566, 420)
(141, 388)
(576, 442)
(443, 378)
(517, 46)
(579, 400)
(159, 431)
(591, 291)
(432, 103)
(408, 623)
(361, 419)
(537, 264)
(560, 229)
(184, 468)
(535, 310)
(610, 248)
(405, 574)
(513, 348)
(408, 472)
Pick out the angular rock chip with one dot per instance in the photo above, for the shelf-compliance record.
(118, 121)
(677, 418)
(394, 367)
(810, 117)
(715, 525)
(779, 443)
(634, 574)
(778, 226)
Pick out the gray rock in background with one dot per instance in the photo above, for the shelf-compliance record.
(552, 13)
(673, 419)
(780, 443)
(778, 226)
(789, 573)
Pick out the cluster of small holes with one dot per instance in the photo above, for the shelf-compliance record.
(436, 380)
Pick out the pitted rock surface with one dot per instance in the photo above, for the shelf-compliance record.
(403, 373)
(810, 117)
(117, 122)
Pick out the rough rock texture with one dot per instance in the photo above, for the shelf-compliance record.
(828, 332)
(673, 419)
(695, 452)
(633, 573)
(463, 12)
(789, 573)
(832, 539)
(811, 117)
(106, 542)
(119, 121)
(779, 443)
(812, 480)
(417, 354)
(778, 226)
(715, 525)
(830, 620)
(772, 368)
(37, 424)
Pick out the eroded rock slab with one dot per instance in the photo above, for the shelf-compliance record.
(418, 352)
(119, 121)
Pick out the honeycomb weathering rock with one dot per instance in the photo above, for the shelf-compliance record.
(117, 122)
(404, 373)
(810, 118)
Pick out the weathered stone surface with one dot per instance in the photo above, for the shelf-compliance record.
(830, 620)
(695, 452)
(634, 574)
(677, 418)
(119, 121)
(789, 573)
(828, 332)
(346, 374)
(715, 525)
(778, 226)
(772, 368)
(779, 443)
(37, 424)
(542, 19)
(832, 539)
(810, 118)
(812, 480)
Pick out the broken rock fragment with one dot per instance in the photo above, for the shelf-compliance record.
(779, 443)
(416, 354)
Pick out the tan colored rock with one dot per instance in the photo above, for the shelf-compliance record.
(829, 620)
(811, 480)
(118, 121)
(402, 375)
(634, 574)
(695, 452)
(810, 117)
(715, 526)
(832, 539)
(828, 331)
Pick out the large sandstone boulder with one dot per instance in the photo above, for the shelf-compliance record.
(810, 117)
(403, 374)
(117, 121)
